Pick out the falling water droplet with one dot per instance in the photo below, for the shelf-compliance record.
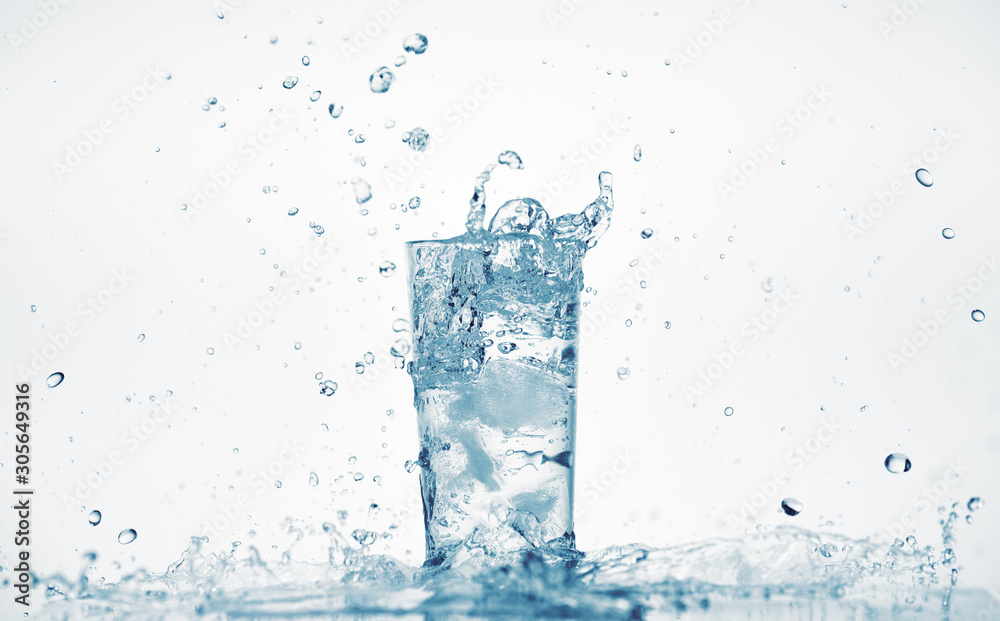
(975, 504)
(290, 81)
(506, 347)
(414, 202)
(948, 233)
(666, 324)
(417, 138)
(511, 159)
(728, 411)
(416, 43)
(912, 541)
(623, 373)
(646, 233)
(897, 463)
(359, 367)
(362, 191)
(336, 110)
(978, 315)
(141, 338)
(328, 388)
(864, 408)
(386, 269)
(315, 96)
(293, 210)
(55, 379)
(33, 308)
(305, 61)
(381, 80)
(127, 536)
(277, 484)
(924, 177)
(637, 153)
(95, 517)
(791, 506)
(313, 479)
(210, 351)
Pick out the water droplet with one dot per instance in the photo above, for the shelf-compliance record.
(359, 138)
(336, 110)
(274, 39)
(210, 351)
(975, 504)
(386, 269)
(290, 81)
(637, 153)
(315, 96)
(897, 463)
(400, 325)
(263, 251)
(978, 315)
(782, 162)
(511, 159)
(417, 138)
(369, 358)
(400, 61)
(666, 62)
(95, 517)
(506, 347)
(319, 376)
(912, 541)
(791, 506)
(55, 379)
(328, 388)
(728, 411)
(293, 210)
(358, 476)
(127, 536)
(381, 80)
(362, 191)
(313, 479)
(33, 308)
(767, 285)
(864, 408)
(623, 373)
(666, 324)
(305, 61)
(416, 43)
(359, 367)
(646, 233)
(948, 233)
(924, 178)
(400, 348)
(414, 202)
(277, 484)
(236, 450)
(411, 465)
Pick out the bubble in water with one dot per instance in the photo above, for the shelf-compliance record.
(313, 479)
(864, 408)
(55, 379)
(728, 411)
(975, 503)
(414, 202)
(381, 80)
(290, 81)
(315, 96)
(127, 536)
(386, 269)
(511, 159)
(978, 315)
(417, 138)
(623, 373)
(359, 367)
(791, 506)
(416, 43)
(912, 541)
(400, 325)
(336, 110)
(924, 177)
(948, 233)
(33, 308)
(210, 351)
(411, 465)
(95, 517)
(141, 338)
(897, 463)
(362, 191)
(358, 476)
(277, 484)
(646, 233)
(506, 347)
(400, 348)
(328, 388)
(293, 210)
(400, 61)
(637, 153)
(359, 138)
(666, 324)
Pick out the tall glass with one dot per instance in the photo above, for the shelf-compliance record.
(495, 326)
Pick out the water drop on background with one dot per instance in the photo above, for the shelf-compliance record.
(623, 373)
(359, 367)
(305, 61)
(315, 96)
(975, 503)
(978, 315)
(55, 379)
(416, 43)
(728, 411)
(328, 388)
(924, 177)
(897, 463)
(637, 153)
(380, 81)
(313, 479)
(386, 269)
(127, 536)
(33, 308)
(95, 517)
(948, 233)
(666, 324)
(791, 506)
(646, 233)
(362, 191)
(290, 81)
(293, 210)
(336, 110)
(417, 138)
(414, 202)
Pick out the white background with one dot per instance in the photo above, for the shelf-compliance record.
(556, 81)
